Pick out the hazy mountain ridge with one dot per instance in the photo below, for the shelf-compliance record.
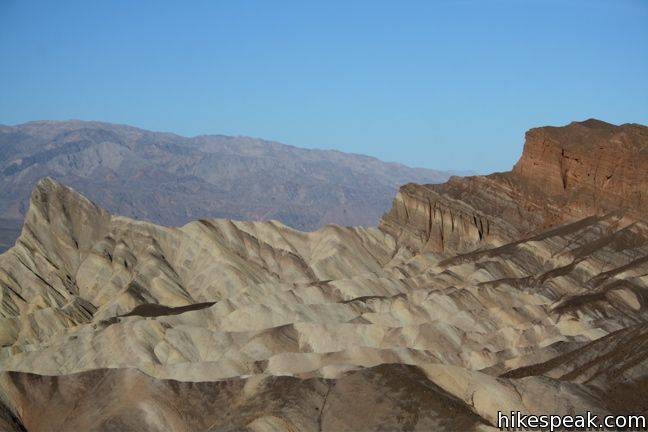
(172, 180)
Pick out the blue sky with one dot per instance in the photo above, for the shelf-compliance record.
(439, 84)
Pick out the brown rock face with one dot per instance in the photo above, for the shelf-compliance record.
(128, 400)
(564, 174)
(461, 215)
(592, 164)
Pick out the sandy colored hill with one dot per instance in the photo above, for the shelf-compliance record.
(471, 297)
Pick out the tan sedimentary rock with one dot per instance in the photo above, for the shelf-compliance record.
(472, 297)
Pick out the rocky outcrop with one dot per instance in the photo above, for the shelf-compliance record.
(462, 215)
(592, 165)
(564, 174)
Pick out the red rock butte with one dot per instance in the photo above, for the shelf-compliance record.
(564, 174)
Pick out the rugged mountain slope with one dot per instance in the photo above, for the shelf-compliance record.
(564, 174)
(172, 180)
(467, 300)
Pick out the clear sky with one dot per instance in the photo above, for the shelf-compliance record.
(439, 84)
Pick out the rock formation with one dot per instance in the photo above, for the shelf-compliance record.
(564, 174)
(483, 294)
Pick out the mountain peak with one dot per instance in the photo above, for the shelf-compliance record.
(62, 220)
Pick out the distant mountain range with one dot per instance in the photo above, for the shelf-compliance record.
(170, 179)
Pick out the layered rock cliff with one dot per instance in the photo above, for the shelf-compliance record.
(592, 166)
(565, 173)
